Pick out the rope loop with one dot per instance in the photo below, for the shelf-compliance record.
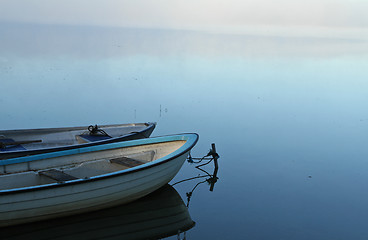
(95, 130)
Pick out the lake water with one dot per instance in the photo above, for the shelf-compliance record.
(288, 116)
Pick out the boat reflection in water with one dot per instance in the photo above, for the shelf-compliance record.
(160, 214)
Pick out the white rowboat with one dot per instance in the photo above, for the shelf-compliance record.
(79, 180)
(23, 142)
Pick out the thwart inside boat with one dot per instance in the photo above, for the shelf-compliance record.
(82, 166)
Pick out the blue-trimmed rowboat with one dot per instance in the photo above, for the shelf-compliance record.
(24, 142)
(80, 180)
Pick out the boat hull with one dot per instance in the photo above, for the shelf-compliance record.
(83, 195)
(55, 135)
(87, 196)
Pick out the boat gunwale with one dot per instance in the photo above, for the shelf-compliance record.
(191, 140)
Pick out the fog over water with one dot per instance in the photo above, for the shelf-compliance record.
(288, 115)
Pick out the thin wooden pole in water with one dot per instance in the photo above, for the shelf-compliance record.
(215, 157)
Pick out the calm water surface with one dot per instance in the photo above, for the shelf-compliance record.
(288, 116)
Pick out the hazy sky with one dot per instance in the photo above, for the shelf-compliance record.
(215, 15)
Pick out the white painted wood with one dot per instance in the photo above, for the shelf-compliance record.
(101, 183)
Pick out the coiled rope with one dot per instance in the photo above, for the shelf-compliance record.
(95, 130)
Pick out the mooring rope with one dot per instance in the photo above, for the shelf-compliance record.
(94, 130)
(211, 179)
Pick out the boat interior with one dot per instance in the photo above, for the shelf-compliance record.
(82, 166)
(18, 140)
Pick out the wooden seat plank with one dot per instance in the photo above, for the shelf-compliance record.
(57, 175)
(92, 138)
(125, 161)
